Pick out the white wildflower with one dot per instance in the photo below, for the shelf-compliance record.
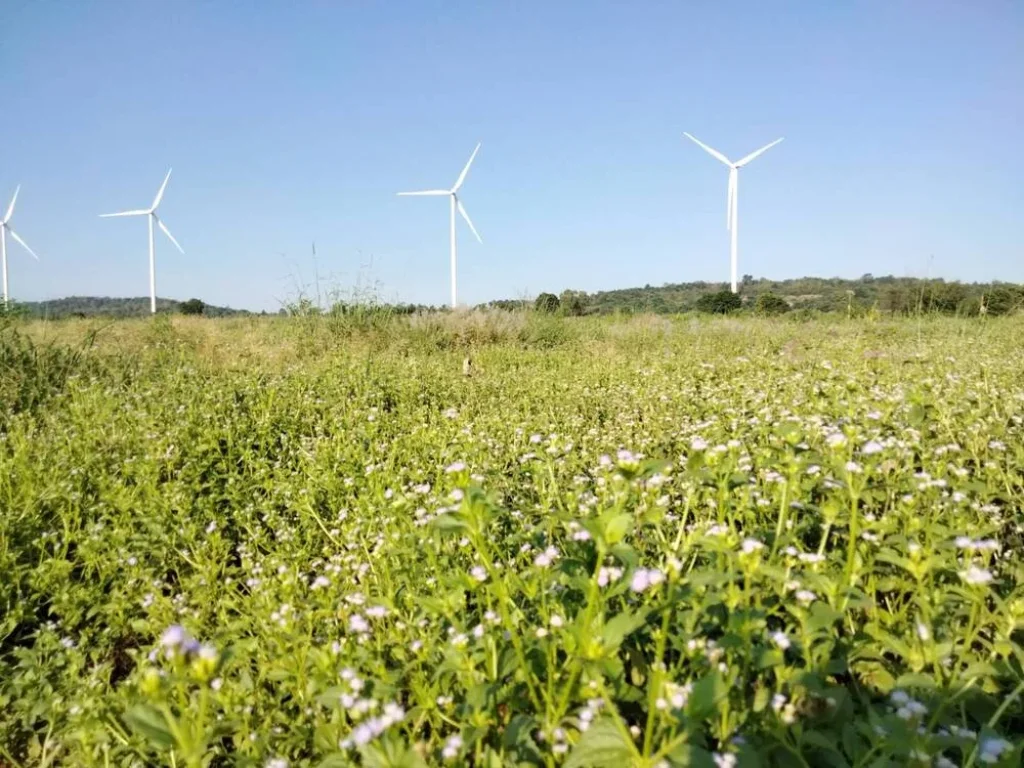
(976, 575)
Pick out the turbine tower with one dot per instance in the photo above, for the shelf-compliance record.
(5, 229)
(151, 213)
(732, 202)
(454, 203)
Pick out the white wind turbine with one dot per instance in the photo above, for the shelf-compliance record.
(151, 213)
(732, 204)
(455, 203)
(5, 228)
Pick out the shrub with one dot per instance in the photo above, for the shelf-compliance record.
(770, 304)
(720, 303)
(33, 373)
(572, 303)
(547, 302)
(191, 307)
(1002, 300)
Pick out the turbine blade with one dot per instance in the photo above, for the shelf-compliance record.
(468, 221)
(462, 176)
(168, 233)
(713, 152)
(22, 242)
(139, 212)
(432, 192)
(10, 208)
(752, 155)
(160, 194)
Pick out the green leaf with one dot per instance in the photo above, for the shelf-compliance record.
(335, 760)
(620, 627)
(768, 657)
(761, 697)
(915, 681)
(707, 693)
(853, 744)
(390, 754)
(448, 522)
(693, 756)
(616, 528)
(822, 617)
(918, 414)
(602, 745)
(518, 731)
(151, 724)
(626, 555)
(823, 742)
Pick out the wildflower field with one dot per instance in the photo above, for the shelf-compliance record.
(636, 542)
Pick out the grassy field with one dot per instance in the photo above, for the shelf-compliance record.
(647, 541)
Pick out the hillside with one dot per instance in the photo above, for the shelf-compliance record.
(898, 295)
(887, 294)
(103, 306)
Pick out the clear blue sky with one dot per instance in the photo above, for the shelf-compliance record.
(288, 123)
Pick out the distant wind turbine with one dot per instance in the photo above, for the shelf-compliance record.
(5, 228)
(455, 203)
(151, 213)
(732, 204)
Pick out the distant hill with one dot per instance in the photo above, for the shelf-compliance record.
(886, 293)
(897, 295)
(104, 306)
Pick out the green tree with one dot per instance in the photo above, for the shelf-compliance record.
(191, 307)
(770, 304)
(572, 303)
(1002, 300)
(720, 303)
(546, 302)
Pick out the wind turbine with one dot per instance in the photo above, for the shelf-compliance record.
(151, 213)
(5, 228)
(732, 204)
(455, 203)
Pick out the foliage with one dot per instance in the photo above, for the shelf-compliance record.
(770, 304)
(33, 372)
(191, 307)
(1002, 300)
(546, 302)
(572, 303)
(102, 306)
(897, 295)
(719, 303)
(645, 542)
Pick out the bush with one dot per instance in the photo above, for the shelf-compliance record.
(572, 303)
(547, 302)
(33, 373)
(1002, 300)
(721, 303)
(191, 307)
(770, 304)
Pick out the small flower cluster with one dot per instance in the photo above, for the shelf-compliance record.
(608, 575)
(587, 714)
(906, 707)
(644, 578)
(991, 749)
(372, 727)
(674, 695)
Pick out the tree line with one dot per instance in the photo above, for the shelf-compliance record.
(888, 294)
